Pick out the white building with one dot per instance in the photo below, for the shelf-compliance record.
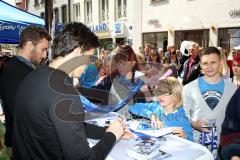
(159, 22)
(60, 9)
(111, 20)
(208, 22)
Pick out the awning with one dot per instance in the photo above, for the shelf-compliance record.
(13, 20)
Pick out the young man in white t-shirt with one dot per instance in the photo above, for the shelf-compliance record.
(205, 99)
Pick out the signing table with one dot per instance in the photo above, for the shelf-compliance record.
(178, 148)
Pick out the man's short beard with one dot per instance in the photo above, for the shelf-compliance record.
(33, 51)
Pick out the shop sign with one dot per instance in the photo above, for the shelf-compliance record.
(118, 28)
(235, 13)
(102, 27)
(103, 34)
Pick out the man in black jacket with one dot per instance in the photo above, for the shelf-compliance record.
(49, 120)
(191, 67)
(32, 51)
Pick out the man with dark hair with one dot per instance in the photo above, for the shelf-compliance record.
(66, 42)
(205, 99)
(32, 51)
(49, 119)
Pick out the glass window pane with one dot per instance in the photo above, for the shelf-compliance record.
(157, 40)
(119, 3)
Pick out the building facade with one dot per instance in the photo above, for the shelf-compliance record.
(110, 20)
(210, 23)
(60, 9)
(159, 22)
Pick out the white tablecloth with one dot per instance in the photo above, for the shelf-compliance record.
(179, 148)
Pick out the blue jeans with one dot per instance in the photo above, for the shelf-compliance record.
(230, 150)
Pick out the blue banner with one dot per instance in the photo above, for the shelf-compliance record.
(13, 20)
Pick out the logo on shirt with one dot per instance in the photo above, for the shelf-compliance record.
(212, 98)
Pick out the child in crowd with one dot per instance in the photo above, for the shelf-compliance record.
(168, 110)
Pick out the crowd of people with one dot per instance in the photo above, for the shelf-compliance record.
(46, 105)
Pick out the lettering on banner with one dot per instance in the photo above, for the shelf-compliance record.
(5, 26)
(102, 27)
(8, 26)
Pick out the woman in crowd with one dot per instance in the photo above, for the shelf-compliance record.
(174, 59)
(102, 54)
(168, 66)
(107, 71)
(160, 53)
(124, 85)
(236, 70)
(225, 70)
(154, 60)
(154, 65)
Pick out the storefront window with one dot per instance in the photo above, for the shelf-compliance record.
(107, 44)
(229, 38)
(158, 40)
(199, 36)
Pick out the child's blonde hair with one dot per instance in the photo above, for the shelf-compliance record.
(170, 85)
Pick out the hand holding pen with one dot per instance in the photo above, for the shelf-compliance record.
(127, 133)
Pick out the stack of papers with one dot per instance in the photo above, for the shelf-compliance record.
(104, 119)
(146, 129)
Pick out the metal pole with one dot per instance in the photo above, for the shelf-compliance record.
(48, 22)
(69, 10)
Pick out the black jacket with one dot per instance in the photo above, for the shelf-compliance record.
(231, 124)
(194, 72)
(49, 121)
(10, 79)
